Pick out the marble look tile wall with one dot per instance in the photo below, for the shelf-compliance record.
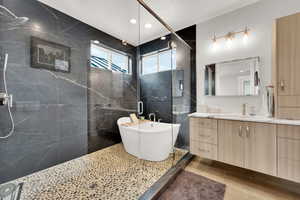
(51, 109)
(113, 96)
(156, 94)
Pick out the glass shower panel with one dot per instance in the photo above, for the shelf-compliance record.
(181, 89)
(157, 138)
(113, 74)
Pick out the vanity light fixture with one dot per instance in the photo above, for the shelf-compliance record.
(231, 35)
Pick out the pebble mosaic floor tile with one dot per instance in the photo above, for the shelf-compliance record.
(107, 174)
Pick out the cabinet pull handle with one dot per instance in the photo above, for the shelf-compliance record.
(203, 150)
(240, 132)
(282, 85)
(248, 132)
(207, 136)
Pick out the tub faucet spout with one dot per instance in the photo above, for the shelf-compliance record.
(150, 116)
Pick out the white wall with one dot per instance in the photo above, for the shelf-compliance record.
(259, 17)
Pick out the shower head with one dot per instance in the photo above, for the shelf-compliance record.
(18, 21)
(11, 18)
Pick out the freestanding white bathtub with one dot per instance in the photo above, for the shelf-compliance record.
(151, 141)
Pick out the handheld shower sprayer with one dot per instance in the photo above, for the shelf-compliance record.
(5, 62)
(6, 99)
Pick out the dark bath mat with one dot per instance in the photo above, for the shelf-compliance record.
(190, 186)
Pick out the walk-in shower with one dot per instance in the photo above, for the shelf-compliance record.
(59, 115)
(9, 19)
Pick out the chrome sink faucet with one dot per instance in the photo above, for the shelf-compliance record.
(150, 116)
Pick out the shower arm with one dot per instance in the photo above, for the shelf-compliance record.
(8, 11)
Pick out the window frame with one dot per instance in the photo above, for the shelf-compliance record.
(110, 51)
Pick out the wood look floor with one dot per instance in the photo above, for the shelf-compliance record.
(243, 184)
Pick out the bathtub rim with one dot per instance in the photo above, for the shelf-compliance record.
(144, 130)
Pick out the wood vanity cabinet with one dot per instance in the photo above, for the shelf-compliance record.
(204, 138)
(261, 147)
(231, 147)
(289, 152)
(248, 145)
(287, 67)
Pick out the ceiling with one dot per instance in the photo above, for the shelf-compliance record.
(113, 16)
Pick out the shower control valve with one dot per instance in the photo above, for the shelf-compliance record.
(5, 99)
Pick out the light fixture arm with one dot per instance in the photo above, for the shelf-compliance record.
(231, 35)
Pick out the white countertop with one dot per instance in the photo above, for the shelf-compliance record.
(239, 117)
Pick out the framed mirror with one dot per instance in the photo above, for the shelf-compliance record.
(233, 78)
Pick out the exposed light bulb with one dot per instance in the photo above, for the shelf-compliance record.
(229, 39)
(215, 47)
(96, 42)
(163, 38)
(229, 43)
(245, 39)
(215, 44)
(246, 36)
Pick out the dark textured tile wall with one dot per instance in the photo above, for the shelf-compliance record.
(156, 94)
(51, 114)
(113, 96)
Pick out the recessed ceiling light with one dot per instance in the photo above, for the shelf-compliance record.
(148, 25)
(163, 38)
(96, 42)
(133, 21)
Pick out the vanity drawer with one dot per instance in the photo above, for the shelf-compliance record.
(204, 150)
(291, 132)
(205, 135)
(289, 169)
(289, 149)
(207, 123)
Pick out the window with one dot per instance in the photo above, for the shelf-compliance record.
(157, 62)
(105, 58)
(150, 64)
(165, 61)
